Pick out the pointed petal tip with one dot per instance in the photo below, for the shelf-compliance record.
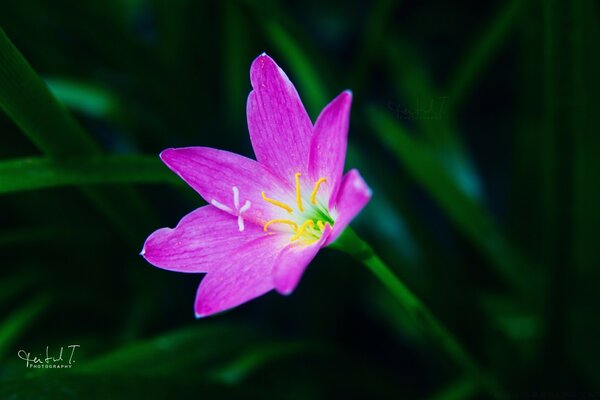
(165, 154)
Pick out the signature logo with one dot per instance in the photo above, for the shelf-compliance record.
(57, 359)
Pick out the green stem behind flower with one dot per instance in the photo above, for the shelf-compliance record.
(423, 318)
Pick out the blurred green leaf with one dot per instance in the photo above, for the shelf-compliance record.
(485, 47)
(17, 282)
(467, 214)
(261, 355)
(66, 385)
(462, 389)
(426, 107)
(422, 317)
(312, 88)
(83, 97)
(188, 350)
(29, 103)
(19, 320)
(40, 173)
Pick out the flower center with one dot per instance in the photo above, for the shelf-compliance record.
(307, 221)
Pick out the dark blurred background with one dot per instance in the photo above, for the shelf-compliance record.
(473, 122)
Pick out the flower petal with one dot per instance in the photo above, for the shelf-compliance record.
(354, 194)
(215, 173)
(280, 129)
(328, 146)
(199, 242)
(293, 260)
(242, 275)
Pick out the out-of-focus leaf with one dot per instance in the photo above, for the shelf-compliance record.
(189, 350)
(39, 173)
(16, 283)
(83, 97)
(463, 389)
(311, 86)
(482, 52)
(19, 320)
(374, 33)
(426, 107)
(260, 355)
(29, 103)
(66, 385)
(466, 213)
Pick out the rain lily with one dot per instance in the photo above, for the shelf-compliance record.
(266, 219)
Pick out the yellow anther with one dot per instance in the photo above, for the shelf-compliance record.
(281, 221)
(321, 225)
(298, 194)
(309, 223)
(313, 195)
(277, 203)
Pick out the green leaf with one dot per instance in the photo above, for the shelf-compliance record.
(188, 350)
(484, 48)
(466, 213)
(83, 97)
(40, 173)
(19, 320)
(261, 355)
(427, 108)
(313, 89)
(28, 102)
(422, 318)
(66, 385)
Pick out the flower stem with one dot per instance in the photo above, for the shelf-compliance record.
(349, 242)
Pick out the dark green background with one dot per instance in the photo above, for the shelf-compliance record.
(475, 123)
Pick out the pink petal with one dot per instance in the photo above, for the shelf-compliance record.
(215, 173)
(241, 276)
(293, 260)
(280, 129)
(199, 242)
(328, 147)
(354, 194)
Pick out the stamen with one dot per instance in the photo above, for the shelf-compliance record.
(236, 197)
(309, 223)
(298, 194)
(281, 221)
(245, 207)
(221, 206)
(313, 195)
(277, 203)
(321, 225)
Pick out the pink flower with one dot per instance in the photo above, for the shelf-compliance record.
(266, 219)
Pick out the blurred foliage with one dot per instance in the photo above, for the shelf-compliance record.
(473, 122)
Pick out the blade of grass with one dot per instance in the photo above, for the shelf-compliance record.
(19, 320)
(462, 389)
(482, 52)
(258, 356)
(428, 110)
(349, 242)
(83, 97)
(464, 212)
(373, 34)
(313, 89)
(28, 102)
(41, 173)
(173, 352)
